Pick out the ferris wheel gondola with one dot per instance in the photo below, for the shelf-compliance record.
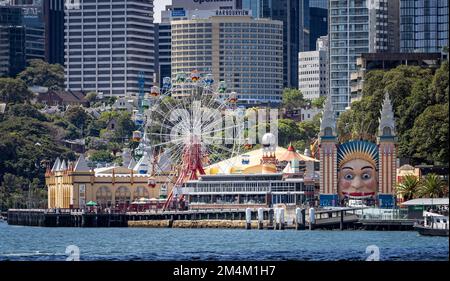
(154, 92)
(151, 183)
(233, 98)
(195, 76)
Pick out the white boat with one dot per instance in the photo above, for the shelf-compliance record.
(433, 225)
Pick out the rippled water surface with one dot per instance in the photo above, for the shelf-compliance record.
(36, 243)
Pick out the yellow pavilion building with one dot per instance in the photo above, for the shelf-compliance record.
(73, 185)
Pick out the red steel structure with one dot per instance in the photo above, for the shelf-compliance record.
(191, 167)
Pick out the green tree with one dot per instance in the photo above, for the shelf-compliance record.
(293, 98)
(26, 142)
(107, 116)
(429, 136)
(439, 85)
(102, 156)
(409, 187)
(309, 130)
(95, 127)
(40, 73)
(300, 145)
(114, 147)
(4, 196)
(109, 100)
(25, 110)
(13, 187)
(288, 131)
(433, 186)
(124, 127)
(319, 102)
(345, 125)
(78, 117)
(72, 132)
(29, 140)
(413, 90)
(91, 98)
(14, 91)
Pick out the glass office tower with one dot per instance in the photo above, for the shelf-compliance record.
(295, 17)
(423, 25)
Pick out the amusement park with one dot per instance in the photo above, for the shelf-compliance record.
(224, 130)
(179, 140)
(196, 148)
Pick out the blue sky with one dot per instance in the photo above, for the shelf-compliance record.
(159, 6)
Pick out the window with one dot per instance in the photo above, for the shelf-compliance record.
(328, 131)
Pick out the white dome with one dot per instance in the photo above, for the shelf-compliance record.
(268, 139)
(307, 152)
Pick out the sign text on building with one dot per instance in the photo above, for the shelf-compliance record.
(232, 13)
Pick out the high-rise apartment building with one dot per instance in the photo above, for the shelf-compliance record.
(54, 31)
(162, 54)
(312, 70)
(423, 25)
(318, 21)
(12, 41)
(393, 26)
(33, 20)
(355, 27)
(163, 42)
(244, 52)
(296, 30)
(179, 10)
(108, 44)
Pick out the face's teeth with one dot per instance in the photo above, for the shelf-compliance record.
(362, 196)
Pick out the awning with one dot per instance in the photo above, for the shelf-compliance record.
(426, 201)
(91, 203)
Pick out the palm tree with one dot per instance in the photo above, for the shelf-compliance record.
(432, 186)
(408, 188)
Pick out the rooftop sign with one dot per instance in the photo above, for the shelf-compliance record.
(232, 13)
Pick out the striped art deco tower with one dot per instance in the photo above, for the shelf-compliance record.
(328, 156)
(387, 147)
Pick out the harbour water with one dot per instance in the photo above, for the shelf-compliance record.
(38, 243)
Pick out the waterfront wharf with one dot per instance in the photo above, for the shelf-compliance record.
(79, 218)
(342, 218)
(64, 218)
(386, 224)
(262, 218)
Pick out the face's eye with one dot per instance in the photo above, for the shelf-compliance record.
(366, 176)
(348, 177)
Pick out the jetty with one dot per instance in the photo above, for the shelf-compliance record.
(261, 218)
(79, 218)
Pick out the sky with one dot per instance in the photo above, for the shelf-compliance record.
(159, 6)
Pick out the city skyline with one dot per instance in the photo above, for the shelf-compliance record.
(376, 29)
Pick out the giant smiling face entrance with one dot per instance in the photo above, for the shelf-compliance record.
(357, 179)
(358, 170)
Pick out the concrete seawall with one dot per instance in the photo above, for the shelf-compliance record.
(151, 223)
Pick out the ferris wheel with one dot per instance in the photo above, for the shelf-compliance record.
(184, 133)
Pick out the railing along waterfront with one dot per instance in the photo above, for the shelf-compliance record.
(382, 214)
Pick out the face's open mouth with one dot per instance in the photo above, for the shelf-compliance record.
(359, 195)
